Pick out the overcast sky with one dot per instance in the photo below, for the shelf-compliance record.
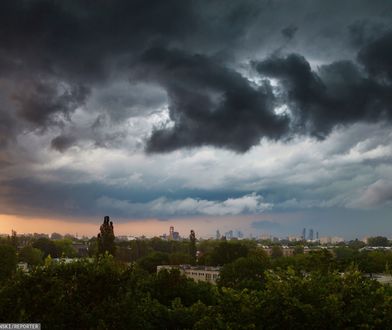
(260, 116)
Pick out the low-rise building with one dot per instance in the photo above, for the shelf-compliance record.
(81, 249)
(23, 266)
(287, 251)
(197, 273)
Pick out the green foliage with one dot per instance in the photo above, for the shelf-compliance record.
(93, 247)
(106, 238)
(192, 247)
(124, 253)
(8, 261)
(276, 251)
(378, 241)
(103, 294)
(179, 258)
(166, 286)
(150, 262)
(320, 301)
(298, 249)
(65, 248)
(374, 261)
(47, 246)
(316, 290)
(356, 244)
(32, 256)
(14, 239)
(140, 248)
(243, 273)
(56, 236)
(226, 252)
(320, 260)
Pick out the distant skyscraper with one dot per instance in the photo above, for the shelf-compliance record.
(317, 235)
(310, 234)
(173, 234)
(304, 234)
(218, 235)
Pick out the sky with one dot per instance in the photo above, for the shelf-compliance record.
(262, 116)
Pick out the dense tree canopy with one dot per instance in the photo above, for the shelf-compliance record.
(378, 241)
(323, 289)
(32, 256)
(104, 294)
(8, 260)
(47, 246)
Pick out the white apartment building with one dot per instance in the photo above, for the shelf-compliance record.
(197, 273)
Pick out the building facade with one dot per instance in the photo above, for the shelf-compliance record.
(197, 273)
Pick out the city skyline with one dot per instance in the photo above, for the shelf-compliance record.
(134, 229)
(253, 116)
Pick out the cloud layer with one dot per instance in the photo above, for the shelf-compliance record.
(163, 207)
(173, 108)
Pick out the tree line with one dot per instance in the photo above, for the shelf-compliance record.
(106, 294)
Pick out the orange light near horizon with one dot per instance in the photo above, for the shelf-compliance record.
(25, 225)
(203, 226)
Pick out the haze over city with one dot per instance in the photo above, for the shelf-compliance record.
(258, 116)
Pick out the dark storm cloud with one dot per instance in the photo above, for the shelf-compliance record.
(289, 31)
(85, 44)
(337, 94)
(7, 128)
(38, 101)
(363, 31)
(75, 38)
(377, 57)
(62, 142)
(56, 52)
(210, 104)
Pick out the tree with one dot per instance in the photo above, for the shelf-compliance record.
(14, 239)
(47, 247)
(243, 273)
(227, 252)
(298, 249)
(65, 248)
(179, 258)
(124, 253)
(356, 244)
(106, 237)
(373, 261)
(344, 256)
(31, 255)
(55, 236)
(276, 251)
(8, 260)
(321, 261)
(192, 246)
(378, 241)
(154, 259)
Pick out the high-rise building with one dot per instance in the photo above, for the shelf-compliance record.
(173, 235)
(303, 234)
(317, 235)
(218, 235)
(310, 234)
